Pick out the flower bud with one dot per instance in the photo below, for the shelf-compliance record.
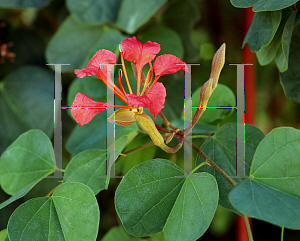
(122, 117)
(147, 124)
(217, 65)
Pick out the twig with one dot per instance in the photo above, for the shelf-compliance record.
(211, 163)
(138, 148)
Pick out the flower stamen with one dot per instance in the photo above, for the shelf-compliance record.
(124, 69)
(120, 82)
(114, 89)
(149, 76)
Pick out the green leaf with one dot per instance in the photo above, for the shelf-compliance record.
(263, 5)
(276, 161)
(26, 97)
(24, 3)
(221, 149)
(74, 40)
(119, 234)
(265, 203)
(89, 167)
(181, 16)
(151, 199)
(93, 135)
(221, 97)
(283, 52)
(134, 13)
(168, 39)
(94, 12)
(19, 194)
(3, 234)
(272, 195)
(72, 213)
(290, 79)
(262, 29)
(26, 160)
(281, 40)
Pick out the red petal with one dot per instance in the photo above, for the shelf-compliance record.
(137, 52)
(168, 64)
(108, 59)
(154, 99)
(81, 112)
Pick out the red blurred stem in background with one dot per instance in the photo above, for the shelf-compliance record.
(250, 103)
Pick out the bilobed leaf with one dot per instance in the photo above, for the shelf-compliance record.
(26, 97)
(94, 12)
(24, 3)
(262, 29)
(290, 79)
(221, 149)
(154, 196)
(90, 167)
(262, 202)
(26, 160)
(273, 194)
(276, 161)
(72, 213)
(263, 5)
(74, 41)
(93, 135)
(134, 13)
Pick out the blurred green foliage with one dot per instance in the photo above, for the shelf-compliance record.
(71, 32)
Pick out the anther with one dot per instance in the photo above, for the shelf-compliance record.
(101, 65)
(120, 48)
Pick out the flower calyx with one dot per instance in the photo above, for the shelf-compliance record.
(125, 117)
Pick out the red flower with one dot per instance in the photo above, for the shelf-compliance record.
(151, 94)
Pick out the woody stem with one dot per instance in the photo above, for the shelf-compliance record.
(138, 148)
(211, 163)
(195, 119)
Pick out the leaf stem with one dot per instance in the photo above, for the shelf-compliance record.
(52, 191)
(295, 7)
(282, 231)
(197, 167)
(248, 227)
(211, 163)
